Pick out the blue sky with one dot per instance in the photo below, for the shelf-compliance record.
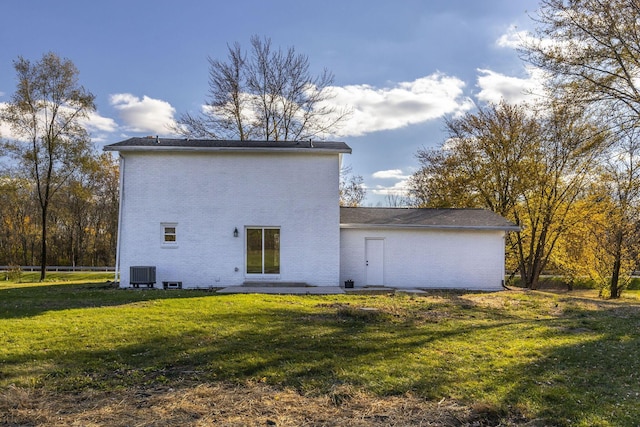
(401, 65)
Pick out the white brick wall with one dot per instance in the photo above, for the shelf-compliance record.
(210, 194)
(427, 258)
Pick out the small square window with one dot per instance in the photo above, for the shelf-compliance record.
(169, 234)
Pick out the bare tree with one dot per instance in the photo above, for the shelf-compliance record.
(268, 94)
(352, 189)
(591, 48)
(45, 116)
(397, 200)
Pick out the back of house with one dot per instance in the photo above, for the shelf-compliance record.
(208, 213)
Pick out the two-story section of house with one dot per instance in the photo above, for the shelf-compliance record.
(208, 213)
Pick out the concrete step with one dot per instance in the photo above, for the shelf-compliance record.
(255, 284)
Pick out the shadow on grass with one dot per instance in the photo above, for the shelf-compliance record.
(586, 382)
(578, 366)
(26, 300)
(312, 349)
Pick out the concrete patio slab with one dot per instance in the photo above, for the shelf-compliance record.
(284, 290)
(380, 290)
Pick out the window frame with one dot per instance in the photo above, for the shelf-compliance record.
(164, 234)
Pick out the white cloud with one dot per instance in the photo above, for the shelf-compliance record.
(403, 104)
(390, 174)
(513, 38)
(496, 86)
(144, 115)
(99, 127)
(398, 189)
(5, 129)
(97, 123)
(94, 123)
(399, 105)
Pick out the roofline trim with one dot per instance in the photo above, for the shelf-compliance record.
(433, 227)
(228, 149)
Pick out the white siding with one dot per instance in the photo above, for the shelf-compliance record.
(421, 258)
(208, 195)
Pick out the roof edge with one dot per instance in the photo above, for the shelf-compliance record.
(434, 227)
(151, 144)
(226, 149)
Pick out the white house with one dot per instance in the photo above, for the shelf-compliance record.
(206, 213)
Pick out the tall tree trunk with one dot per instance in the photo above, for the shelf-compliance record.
(614, 291)
(43, 251)
(522, 262)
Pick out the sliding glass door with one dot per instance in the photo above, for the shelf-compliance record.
(263, 250)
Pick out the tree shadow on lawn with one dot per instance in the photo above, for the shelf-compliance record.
(568, 366)
(590, 380)
(311, 351)
(23, 301)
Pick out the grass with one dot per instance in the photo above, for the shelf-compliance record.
(55, 277)
(508, 357)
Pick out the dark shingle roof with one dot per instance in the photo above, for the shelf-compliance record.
(479, 219)
(167, 144)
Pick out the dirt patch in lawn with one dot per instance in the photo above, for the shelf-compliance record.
(229, 405)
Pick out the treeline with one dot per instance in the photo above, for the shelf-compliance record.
(571, 184)
(566, 168)
(83, 218)
(58, 196)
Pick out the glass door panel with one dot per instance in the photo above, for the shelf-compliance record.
(263, 250)
(271, 251)
(254, 251)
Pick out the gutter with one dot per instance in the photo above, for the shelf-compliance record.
(433, 227)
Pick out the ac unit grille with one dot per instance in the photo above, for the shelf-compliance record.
(142, 275)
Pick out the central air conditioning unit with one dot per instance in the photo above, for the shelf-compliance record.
(142, 275)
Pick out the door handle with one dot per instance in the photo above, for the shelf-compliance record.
(367, 263)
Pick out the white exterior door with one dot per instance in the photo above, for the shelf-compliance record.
(374, 254)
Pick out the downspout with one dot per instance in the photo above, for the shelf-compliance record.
(120, 204)
(504, 259)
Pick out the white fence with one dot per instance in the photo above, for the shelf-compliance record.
(67, 268)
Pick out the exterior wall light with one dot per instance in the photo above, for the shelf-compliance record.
(235, 232)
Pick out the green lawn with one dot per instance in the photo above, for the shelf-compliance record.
(565, 359)
(55, 277)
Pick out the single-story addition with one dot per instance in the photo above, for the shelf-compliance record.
(423, 248)
(209, 213)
